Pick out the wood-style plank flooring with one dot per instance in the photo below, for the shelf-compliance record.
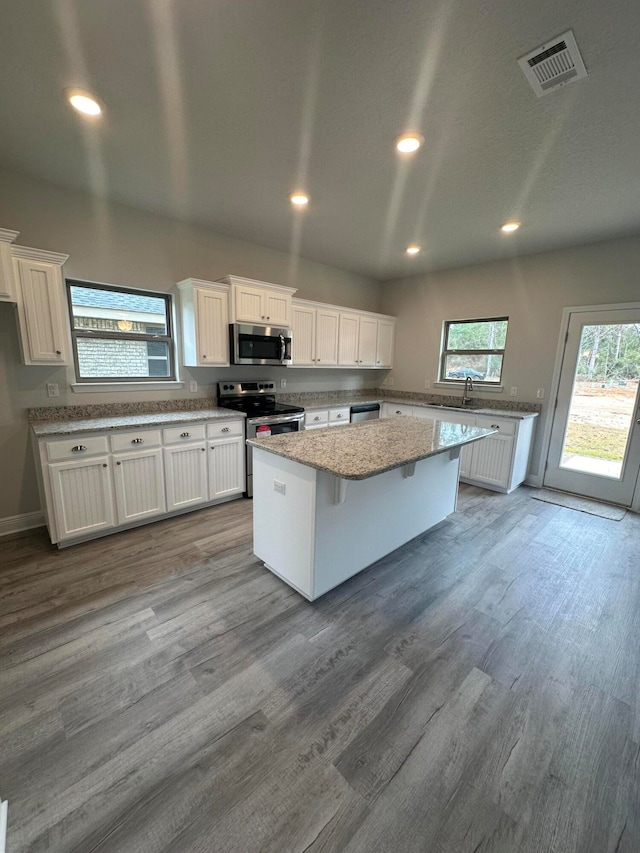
(478, 690)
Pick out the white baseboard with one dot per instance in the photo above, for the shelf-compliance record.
(17, 523)
(534, 480)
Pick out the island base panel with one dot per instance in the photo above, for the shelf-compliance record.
(314, 544)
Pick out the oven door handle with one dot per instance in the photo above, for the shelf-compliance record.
(271, 419)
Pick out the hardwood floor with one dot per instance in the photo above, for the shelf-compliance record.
(478, 690)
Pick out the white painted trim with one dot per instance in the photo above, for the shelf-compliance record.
(555, 381)
(108, 387)
(39, 255)
(17, 523)
(4, 809)
(7, 236)
(477, 389)
(534, 480)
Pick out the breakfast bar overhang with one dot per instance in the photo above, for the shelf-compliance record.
(328, 503)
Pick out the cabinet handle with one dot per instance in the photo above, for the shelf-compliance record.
(104, 465)
(317, 418)
(398, 412)
(225, 429)
(203, 449)
(79, 448)
(204, 356)
(118, 463)
(58, 352)
(137, 441)
(268, 318)
(185, 435)
(495, 426)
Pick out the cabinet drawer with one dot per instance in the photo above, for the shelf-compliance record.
(136, 440)
(317, 417)
(185, 433)
(394, 410)
(505, 425)
(339, 416)
(225, 429)
(77, 448)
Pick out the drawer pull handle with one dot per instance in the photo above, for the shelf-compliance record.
(225, 429)
(79, 448)
(104, 465)
(118, 463)
(398, 412)
(317, 418)
(495, 426)
(58, 352)
(185, 435)
(137, 441)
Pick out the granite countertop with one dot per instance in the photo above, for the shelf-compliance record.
(42, 429)
(329, 401)
(362, 450)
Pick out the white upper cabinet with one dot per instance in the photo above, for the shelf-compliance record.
(42, 310)
(365, 340)
(7, 283)
(315, 335)
(204, 311)
(384, 343)
(259, 302)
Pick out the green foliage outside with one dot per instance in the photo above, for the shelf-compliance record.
(594, 440)
(609, 353)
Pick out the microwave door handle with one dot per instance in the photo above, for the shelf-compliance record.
(283, 348)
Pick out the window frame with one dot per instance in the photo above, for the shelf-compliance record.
(122, 336)
(444, 352)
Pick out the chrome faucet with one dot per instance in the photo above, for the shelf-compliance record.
(468, 388)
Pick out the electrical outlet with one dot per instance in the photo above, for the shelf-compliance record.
(540, 394)
(279, 487)
(52, 389)
(283, 383)
(514, 390)
(193, 385)
(427, 385)
(390, 380)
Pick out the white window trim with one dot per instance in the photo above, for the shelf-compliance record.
(478, 387)
(109, 387)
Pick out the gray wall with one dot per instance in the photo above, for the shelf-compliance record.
(120, 245)
(531, 291)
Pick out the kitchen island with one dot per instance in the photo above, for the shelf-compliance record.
(329, 503)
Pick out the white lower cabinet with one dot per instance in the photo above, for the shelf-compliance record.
(226, 467)
(186, 476)
(499, 462)
(138, 478)
(96, 484)
(82, 496)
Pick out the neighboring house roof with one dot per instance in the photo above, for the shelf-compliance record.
(112, 299)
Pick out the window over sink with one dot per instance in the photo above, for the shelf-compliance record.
(474, 349)
(120, 334)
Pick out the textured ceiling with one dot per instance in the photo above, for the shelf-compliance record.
(217, 109)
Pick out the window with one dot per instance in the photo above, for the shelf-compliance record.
(120, 335)
(473, 348)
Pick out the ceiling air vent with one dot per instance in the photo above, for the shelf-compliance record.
(553, 64)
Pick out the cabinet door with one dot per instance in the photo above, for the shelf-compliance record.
(41, 311)
(367, 342)
(139, 485)
(226, 467)
(384, 344)
(249, 304)
(82, 496)
(348, 339)
(304, 336)
(327, 323)
(7, 289)
(491, 463)
(212, 323)
(186, 475)
(277, 308)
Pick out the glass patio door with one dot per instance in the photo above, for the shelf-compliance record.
(595, 437)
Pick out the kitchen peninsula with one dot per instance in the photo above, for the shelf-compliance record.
(329, 503)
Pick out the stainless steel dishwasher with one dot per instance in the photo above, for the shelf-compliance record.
(365, 412)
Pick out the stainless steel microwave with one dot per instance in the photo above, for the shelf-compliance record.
(259, 344)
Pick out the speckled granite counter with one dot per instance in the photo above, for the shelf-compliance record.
(43, 429)
(360, 451)
(340, 400)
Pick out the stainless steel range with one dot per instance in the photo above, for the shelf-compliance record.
(264, 416)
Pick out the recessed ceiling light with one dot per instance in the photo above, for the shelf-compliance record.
(83, 102)
(412, 250)
(509, 227)
(299, 199)
(409, 142)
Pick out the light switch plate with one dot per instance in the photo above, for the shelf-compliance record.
(540, 393)
(514, 390)
(283, 383)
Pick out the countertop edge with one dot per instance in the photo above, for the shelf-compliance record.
(56, 429)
